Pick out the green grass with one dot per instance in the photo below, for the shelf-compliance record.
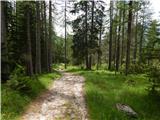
(14, 102)
(58, 66)
(104, 89)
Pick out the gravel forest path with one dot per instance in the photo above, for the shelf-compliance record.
(63, 101)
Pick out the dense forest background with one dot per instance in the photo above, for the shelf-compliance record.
(123, 36)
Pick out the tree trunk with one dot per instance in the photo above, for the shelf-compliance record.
(136, 37)
(86, 35)
(110, 35)
(115, 40)
(118, 43)
(90, 62)
(99, 45)
(3, 21)
(123, 32)
(29, 50)
(4, 42)
(43, 54)
(129, 37)
(38, 41)
(92, 34)
(141, 42)
(65, 38)
(46, 38)
(50, 37)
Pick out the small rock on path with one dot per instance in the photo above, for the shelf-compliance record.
(63, 101)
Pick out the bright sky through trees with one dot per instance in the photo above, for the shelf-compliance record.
(59, 25)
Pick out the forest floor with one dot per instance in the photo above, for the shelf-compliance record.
(104, 89)
(63, 101)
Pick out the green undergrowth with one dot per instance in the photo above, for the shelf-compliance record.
(14, 101)
(59, 66)
(103, 89)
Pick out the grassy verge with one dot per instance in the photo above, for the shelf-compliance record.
(104, 89)
(14, 102)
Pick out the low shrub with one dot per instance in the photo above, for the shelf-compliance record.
(135, 68)
(154, 78)
(19, 81)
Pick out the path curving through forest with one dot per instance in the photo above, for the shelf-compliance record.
(63, 101)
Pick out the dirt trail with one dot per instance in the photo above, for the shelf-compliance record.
(64, 101)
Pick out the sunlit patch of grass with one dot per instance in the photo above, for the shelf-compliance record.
(104, 89)
(58, 66)
(14, 102)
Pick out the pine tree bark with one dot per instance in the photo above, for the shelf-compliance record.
(141, 41)
(43, 55)
(4, 42)
(115, 41)
(65, 39)
(92, 34)
(136, 38)
(50, 37)
(29, 50)
(129, 38)
(118, 43)
(3, 22)
(123, 32)
(99, 47)
(114, 47)
(38, 41)
(110, 36)
(86, 34)
(46, 39)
